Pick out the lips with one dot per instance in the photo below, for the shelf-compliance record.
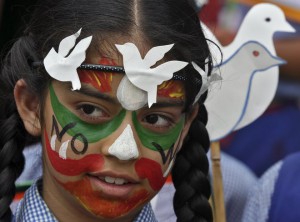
(112, 185)
(106, 201)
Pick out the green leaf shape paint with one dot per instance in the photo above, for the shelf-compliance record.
(165, 140)
(92, 132)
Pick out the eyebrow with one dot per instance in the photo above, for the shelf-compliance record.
(162, 104)
(87, 91)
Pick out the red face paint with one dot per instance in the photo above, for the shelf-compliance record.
(171, 89)
(100, 80)
(150, 170)
(100, 206)
(70, 167)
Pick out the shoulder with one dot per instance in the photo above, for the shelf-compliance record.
(32, 207)
(146, 214)
(259, 203)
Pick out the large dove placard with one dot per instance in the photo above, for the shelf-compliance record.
(260, 23)
(226, 103)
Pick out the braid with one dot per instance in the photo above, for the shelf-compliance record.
(14, 135)
(11, 160)
(190, 176)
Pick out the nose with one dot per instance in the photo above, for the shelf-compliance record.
(125, 147)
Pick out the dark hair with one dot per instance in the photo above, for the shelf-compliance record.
(155, 22)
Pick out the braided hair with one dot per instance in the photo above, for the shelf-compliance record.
(156, 22)
(190, 174)
(14, 136)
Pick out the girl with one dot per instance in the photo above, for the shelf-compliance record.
(111, 90)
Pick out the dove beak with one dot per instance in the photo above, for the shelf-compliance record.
(286, 27)
(279, 61)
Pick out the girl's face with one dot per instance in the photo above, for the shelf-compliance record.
(104, 161)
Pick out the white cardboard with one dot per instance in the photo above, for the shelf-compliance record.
(255, 27)
(226, 104)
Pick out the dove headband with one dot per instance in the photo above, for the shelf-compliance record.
(140, 79)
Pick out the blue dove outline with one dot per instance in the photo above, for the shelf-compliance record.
(219, 66)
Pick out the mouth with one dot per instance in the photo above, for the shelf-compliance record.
(112, 180)
(113, 186)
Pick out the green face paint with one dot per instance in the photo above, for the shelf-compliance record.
(165, 140)
(92, 132)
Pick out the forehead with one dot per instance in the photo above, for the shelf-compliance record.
(108, 82)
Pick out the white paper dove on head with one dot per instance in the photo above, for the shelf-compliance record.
(226, 106)
(206, 80)
(140, 73)
(64, 68)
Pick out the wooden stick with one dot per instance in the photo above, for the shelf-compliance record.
(218, 194)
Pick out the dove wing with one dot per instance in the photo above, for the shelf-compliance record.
(67, 44)
(165, 71)
(156, 53)
(78, 54)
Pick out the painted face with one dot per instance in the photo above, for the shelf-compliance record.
(111, 161)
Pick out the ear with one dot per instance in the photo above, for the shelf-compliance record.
(28, 107)
(189, 119)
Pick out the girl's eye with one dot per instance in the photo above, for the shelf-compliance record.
(91, 112)
(158, 121)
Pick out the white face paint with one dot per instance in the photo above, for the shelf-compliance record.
(131, 97)
(52, 143)
(63, 150)
(124, 148)
(169, 168)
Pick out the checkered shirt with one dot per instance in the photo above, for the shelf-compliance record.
(32, 208)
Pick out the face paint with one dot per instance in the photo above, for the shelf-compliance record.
(99, 80)
(93, 132)
(130, 97)
(124, 148)
(171, 89)
(70, 167)
(151, 170)
(98, 205)
(165, 140)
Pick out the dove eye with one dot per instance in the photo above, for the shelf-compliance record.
(268, 19)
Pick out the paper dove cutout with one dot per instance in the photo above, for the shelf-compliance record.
(206, 80)
(63, 68)
(260, 23)
(226, 104)
(139, 71)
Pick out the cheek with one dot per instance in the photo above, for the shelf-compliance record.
(152, 171)
(72, 167)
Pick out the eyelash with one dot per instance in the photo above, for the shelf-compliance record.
(169, 121)
(86, 116)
